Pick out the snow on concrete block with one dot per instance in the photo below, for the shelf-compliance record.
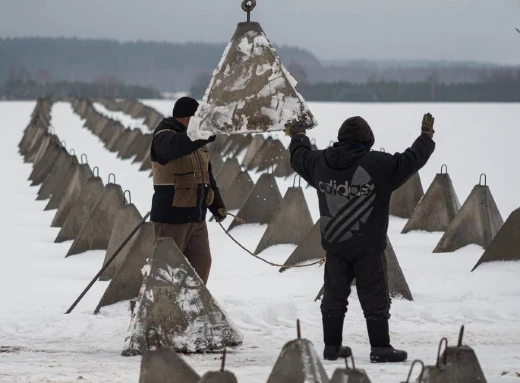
(397, 284)
(298, 363)
(290, 223)
(62, 183)
(261, 203)
(59, 168)
(81, 210)
(405, 199)
(477, 222)
(127, 219)
(308, 250)
(235, 195)
(228, 173)
(82, 174)
(165, 366)
(251, 91)
(128, 277)
(506, 244)
(256, 143)
(174, 301)
(95, 233)
(437, 208)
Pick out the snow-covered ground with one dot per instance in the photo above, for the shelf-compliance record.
(37, 283)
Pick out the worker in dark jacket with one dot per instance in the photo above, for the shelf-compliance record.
(184, 187)
(354, 186)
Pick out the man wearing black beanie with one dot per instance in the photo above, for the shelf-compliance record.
(184, 187)
(354, 186)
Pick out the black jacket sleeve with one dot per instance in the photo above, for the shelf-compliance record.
(218, 203)
(406, 164)
(169, 145)
(304, 160)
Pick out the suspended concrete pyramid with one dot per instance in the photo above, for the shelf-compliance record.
(298, 363)
(290, 223)
(506, 245)
(251, 91)
(477, 222)
(261, 203)
(174, 300)
(405, 199)
(437, 208)
(308, 250)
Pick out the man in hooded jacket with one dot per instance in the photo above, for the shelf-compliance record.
(354, 186)
(184, 187)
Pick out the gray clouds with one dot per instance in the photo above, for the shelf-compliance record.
(481, 30)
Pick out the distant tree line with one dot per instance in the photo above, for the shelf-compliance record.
(21, 86)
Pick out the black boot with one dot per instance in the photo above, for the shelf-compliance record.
(333, 337)
(336, 352)
(379, 334)
(387, 355)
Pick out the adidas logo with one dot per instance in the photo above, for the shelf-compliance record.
(344, 190)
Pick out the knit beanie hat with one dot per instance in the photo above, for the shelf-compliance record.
(185, 107)
(356, 129)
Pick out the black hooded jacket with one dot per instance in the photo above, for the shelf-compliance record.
(354, 187)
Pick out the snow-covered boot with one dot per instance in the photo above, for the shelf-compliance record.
(387, 355)
(336, 352)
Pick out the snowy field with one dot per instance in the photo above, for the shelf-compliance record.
(37, 284)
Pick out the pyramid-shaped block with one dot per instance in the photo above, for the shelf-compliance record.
(251, 91)
(166, 366)
(228, 173)
(274, 156)
(506, 244)
(81, 175)
(283, 165)
(216, 161)
(218, 377)
(174, 301)
(437, 208)
(350, 375)
(235, 195)
(256, 143)
(44, 165)
(477, 222)
(81, 210)
(397, 284)
(59, 169)
(261, 203)
(128, 278)
(405, 199)
(298, 363)
(127, 219)
(265, 154)
(62, 183)
(290, 223)
(308, 250)
(95, 233)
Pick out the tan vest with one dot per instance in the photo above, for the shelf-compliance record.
(189, 175)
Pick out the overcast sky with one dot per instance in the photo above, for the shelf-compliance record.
(481, 30)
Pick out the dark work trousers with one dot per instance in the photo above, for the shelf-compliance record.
(370, 273)
(192, 239)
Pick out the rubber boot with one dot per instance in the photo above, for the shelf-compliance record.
(379, 335)
(333, 337)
